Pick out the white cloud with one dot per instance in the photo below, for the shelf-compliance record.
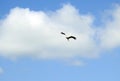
(37, 34)
(1, 70)
(110, 36)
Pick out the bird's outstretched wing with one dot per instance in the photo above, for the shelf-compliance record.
(73, 37)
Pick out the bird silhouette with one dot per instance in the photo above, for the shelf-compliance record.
(69, 37)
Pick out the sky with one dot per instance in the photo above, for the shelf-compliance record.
(32, 48)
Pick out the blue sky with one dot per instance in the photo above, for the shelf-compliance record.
(32, 49)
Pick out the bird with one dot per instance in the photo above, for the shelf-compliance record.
(63, 33)
(69, 37)
(73, 37)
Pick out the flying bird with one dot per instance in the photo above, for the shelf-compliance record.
(73, 37)
(70, 37)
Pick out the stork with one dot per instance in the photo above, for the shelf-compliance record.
(69, 37)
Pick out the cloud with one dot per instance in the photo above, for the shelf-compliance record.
(25, 32)
(110, 34)
(1, 71)
(36, 34)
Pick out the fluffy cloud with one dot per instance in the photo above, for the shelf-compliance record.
(37, 34)
(110, 35)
